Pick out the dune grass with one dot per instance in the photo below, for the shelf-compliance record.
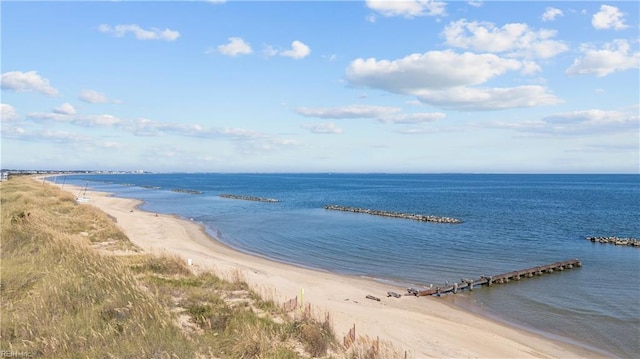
(62, 297)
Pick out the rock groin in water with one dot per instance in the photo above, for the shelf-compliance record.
(618, 241)
(249, 198)
(191, 191)
(417, 217)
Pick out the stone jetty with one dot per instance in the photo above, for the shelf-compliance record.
(618, 241)
(417, 217)
(249, 198)
(497, 279)
(190, 191)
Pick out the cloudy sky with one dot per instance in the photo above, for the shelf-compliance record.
(340, 86)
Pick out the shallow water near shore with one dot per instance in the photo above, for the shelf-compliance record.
(510, 222)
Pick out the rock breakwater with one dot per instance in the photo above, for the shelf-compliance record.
(190, 191)
(417, 217)
(618, 241)
(249, 198)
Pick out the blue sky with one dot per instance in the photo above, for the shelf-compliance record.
(342, 86)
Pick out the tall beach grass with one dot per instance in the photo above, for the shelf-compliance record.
(61, 297)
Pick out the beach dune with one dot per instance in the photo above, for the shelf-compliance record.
(424, 327)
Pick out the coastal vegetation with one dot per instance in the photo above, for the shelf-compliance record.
(73, 285)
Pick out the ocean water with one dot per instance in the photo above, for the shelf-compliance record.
(510, 222)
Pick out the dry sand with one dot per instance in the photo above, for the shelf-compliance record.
(425, 327)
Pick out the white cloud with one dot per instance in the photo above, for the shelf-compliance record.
(408, 8)
(97, 121)
(12, 132)
(530, 67)
(92, 96)
(140, 33)
(323, 128)
(65, 109)
(351, 111)
(613, 57)
(147, 127)
(8, 113)
(608, 17)
(587, 122)
(236, 46)
(251, 142)
(27, 81)
(330, 58)
(380, 113)
(413, 118)
(298, 50)
(48, 116)
(111, 145)
(443, 78)
(551, 13)
(240, 133)
(475, 3)
(78, 120)
(513, 39)
(431, 70)
(60, 137)
(485, 99)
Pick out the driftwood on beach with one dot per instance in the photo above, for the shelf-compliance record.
(249, 198)
(417, 217)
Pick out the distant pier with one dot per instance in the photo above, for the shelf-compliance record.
(249, 198)
(618, 241)
(496, 279)
(417, 217)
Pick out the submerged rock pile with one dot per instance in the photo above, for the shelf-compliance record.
(190, 191)
(618, 241)
(417, 217)
(249, 198)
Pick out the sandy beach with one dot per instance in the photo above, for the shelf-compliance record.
(425, 327)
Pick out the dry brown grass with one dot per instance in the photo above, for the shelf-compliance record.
(62, 298)
(365, 347)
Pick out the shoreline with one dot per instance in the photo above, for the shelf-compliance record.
(424, 327)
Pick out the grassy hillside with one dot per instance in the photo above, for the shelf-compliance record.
(62, 298)
(65, 294)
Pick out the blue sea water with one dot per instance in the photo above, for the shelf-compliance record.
(510, 222)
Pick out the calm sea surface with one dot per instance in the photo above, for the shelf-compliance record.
(510, 222)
